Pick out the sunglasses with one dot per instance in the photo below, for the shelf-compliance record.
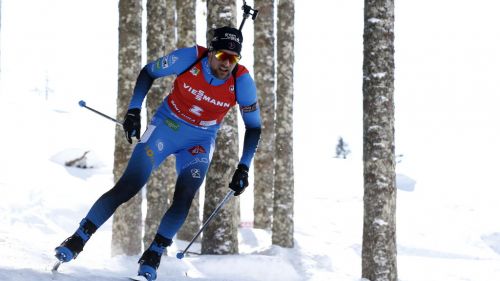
(222, 56)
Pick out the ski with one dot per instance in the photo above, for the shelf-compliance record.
(138, 278)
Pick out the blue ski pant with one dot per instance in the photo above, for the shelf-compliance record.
(165, 135)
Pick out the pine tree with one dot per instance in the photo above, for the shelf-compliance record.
(342, 149)
(283, 225)
(264, 75)
(221, 235)
(127, 220)
(379, 225)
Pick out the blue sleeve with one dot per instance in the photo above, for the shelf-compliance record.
(173, 63)
(247, 99)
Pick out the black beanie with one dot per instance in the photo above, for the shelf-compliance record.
(227, 38)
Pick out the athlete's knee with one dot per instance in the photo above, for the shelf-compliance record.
(123, 191)
(190, 180)
(129, 184)
(184, 194)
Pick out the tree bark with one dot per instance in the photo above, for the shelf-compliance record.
(0, 36)
(221, 235)
(264, 74)
(186, 23)
(283, 224)
(379, 225)
(127, 220)
(186, 37)
(160, 19)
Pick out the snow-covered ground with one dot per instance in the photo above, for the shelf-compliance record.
(446, 129)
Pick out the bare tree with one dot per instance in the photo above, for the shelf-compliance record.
(169, 170)
(186, 37)
(220, 237)
(265, 81)
(186, 23)
(0, 31)
(283, 224)
(127, 220)
(160, 23)
(379, 224)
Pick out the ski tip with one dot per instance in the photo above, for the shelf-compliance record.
(138, 278)
(180, 255)
(82, 103)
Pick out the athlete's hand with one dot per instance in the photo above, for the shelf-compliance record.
(240, 180)
(132, 124)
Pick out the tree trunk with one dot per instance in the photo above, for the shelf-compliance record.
(221, 235)
(265, 81)
(127, 220)
(379, 224)
(283, 225)
(160, 21)
(186, 34)
(186, 23)
(169, 170)
(0, 36)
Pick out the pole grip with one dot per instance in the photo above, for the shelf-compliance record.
(247, 11)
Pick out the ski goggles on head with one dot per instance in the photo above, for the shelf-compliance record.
(222, 56)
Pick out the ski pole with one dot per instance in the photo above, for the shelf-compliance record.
(247, 11)
(83, 104)
(180, 255)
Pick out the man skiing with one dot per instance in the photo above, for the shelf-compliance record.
(208, 83)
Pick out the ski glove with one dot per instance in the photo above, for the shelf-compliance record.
(132, 124)
(240, 180)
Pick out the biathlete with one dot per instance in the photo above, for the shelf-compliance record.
(208, 83)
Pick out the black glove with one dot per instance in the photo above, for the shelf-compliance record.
(240, 180)
(132, 124)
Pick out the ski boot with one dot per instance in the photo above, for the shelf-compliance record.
(150, 259)
(73, 245)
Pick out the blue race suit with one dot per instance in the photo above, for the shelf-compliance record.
(167, 134)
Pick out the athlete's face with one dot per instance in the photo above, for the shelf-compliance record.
(222, 62)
